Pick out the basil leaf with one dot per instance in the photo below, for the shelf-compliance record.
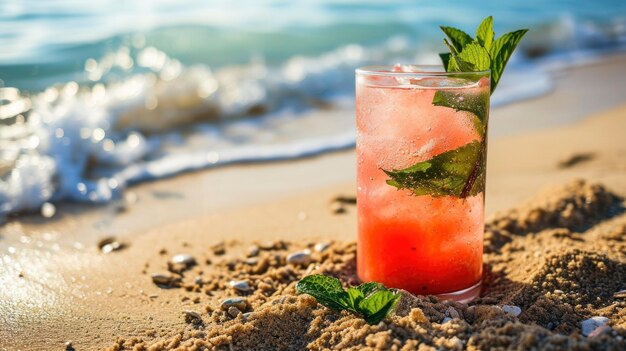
(447, 174)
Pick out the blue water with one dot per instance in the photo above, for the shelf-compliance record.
(97, 95)
(49, 41)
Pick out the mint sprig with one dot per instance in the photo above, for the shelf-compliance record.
(461, 172)
(372, 301)
(480, 53)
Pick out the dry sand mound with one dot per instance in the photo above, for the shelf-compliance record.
(561, 259)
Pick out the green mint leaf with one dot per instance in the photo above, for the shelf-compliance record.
(477, 55)
(355, 297)
(445, 58)
(501, 51)
(484, 33)
(378, 305)
(477, 104)
(367, 289)
(326, 290)
(458, 37)
(457, 172)
(372, 301)
(455, 63)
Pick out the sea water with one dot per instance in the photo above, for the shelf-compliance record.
(94, 98)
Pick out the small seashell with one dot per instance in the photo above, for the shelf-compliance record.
(252, 261)
(512, 310)
(164, 279)
(184, 259)
(588, 326)
(192, 317)
(109, 244)
(237, 302)
(321, 247)
(239, 285)
(247, 315)
(299, 258)
(253, 251)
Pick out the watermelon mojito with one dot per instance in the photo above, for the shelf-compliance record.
(421, 151)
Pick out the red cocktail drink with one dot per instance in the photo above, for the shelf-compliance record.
(421, 150)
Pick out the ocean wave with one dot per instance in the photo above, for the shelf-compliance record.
(140, 114)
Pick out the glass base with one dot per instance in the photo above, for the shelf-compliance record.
(463, 296)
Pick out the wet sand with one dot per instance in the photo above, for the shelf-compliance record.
(58, 287)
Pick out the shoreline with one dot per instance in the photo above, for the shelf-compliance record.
(280, 136)
(62, 291)
(281, 178)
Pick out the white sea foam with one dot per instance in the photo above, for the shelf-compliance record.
(87, 142)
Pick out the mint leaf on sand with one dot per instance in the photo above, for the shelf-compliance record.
(372, 301)
(376, 306)
(326, 290)
(443, 175)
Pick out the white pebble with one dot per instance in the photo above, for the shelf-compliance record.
(513, 310)
(240, 285)
(593, 323)
(184, 259)
(238, 302)
(299, 258)
(321, 247)
(48, 210)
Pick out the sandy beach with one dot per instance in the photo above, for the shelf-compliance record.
(58, 287)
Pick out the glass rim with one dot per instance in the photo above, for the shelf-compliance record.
(421, 71)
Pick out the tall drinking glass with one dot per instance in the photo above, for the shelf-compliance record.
(421, 152)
